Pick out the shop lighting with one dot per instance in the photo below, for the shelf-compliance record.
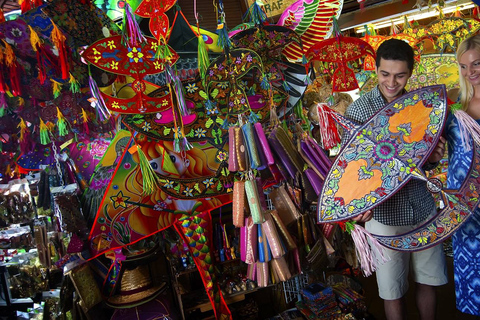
(415, 14)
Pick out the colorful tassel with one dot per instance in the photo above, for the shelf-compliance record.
(58, 39)
(256, 13)
(25, 5)
(131, 34)
(74, 85)
(13, 72)
(203, 60)
(150, 178)
(99, 104)
(85, 121)
(26, 143)
(468, 127)
(370, 253)
(37, 44)
(328, 127)
(44, 133)
(23, 129)
(57, 88)
(61, 123)
(163, 51)
(2, 16)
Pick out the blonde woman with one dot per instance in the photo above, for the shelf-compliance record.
(463, 125)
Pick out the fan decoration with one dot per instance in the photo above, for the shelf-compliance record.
(340, 50)
(155, 10)
(312, 20)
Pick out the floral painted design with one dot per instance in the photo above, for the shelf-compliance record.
(382, 156)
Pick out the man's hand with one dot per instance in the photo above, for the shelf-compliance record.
(364, 217)
(438, 152)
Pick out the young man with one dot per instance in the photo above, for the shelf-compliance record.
(410, 206)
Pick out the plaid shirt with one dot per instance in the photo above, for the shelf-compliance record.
(411, 204)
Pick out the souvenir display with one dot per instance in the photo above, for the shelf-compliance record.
(153, 168)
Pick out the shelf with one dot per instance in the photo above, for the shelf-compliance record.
(205, 305)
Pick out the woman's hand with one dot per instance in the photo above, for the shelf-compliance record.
(438, 152)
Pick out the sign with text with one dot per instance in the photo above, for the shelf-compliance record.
(274, 7)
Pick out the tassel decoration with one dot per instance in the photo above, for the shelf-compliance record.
(37, 45)
(61, 123)
(265, 84)
(13, 72)
(370, 253)
(203, 60)
(131, 34)
(26, 143)
(163, 52)
(23, 129)
(85, 121)
(328, 127)
(3, 104)
(25, 5)
(256, 13)
(44, 133)
(102, 111)
(58, 39)
(57, 88)
(468, 127)
(2, 16)
(150, 178)
(74, 85)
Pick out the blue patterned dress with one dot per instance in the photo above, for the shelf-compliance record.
(466, 241)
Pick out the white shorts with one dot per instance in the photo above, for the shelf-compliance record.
(428, 266)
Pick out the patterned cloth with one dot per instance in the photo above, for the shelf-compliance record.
(412, 203)
(466, 241)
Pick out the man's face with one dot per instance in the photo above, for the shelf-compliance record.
(392, 78)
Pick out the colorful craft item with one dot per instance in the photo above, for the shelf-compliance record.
(155, 10)
(340, 50)
(111, 55)
(58, 40)
(382, 154)
(13, 69)
(312, 20)
(195, 228)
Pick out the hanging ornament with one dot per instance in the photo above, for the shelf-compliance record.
(61, 124)
(57, 88)
(37, 45)
(74, 85)
(58, 39)
(13, 69)
(44, 133)
(2, 16)
(85, 121)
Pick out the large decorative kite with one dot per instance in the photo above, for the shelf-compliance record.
(385, 153)
(382, 154)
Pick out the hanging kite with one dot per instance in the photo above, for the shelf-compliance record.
(312, 20)
(340, 50)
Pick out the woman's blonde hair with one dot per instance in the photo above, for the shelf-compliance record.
(466, 88)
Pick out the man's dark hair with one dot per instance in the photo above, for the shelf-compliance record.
(394, 49)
